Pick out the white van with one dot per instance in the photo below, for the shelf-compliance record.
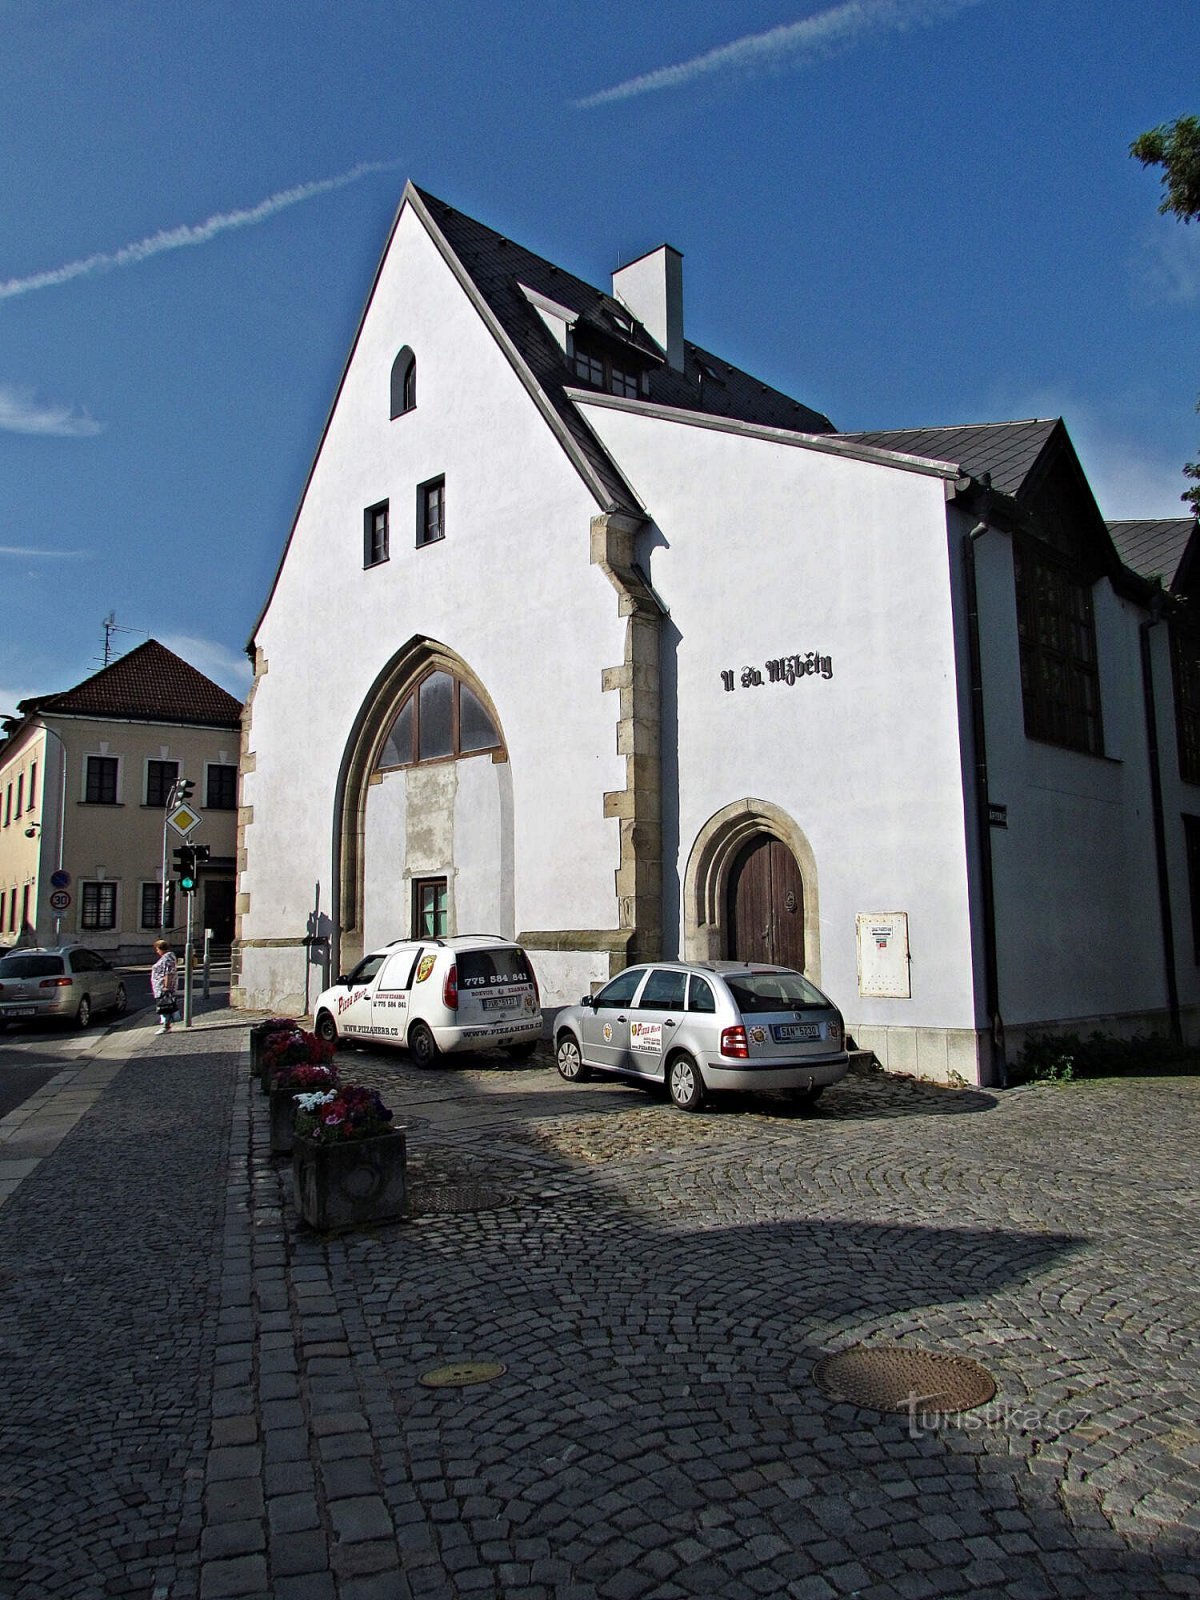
(465, 992)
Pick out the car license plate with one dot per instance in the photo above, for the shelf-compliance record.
(499, 1002)
(18, 1011)
(796, 1030)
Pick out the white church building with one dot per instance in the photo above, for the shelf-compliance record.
(584, 637)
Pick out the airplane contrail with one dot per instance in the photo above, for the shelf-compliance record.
(188, 234)
(839, 27)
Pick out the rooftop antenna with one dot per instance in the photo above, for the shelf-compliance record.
(111, 626)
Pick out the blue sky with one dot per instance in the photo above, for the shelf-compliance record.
(902, 212)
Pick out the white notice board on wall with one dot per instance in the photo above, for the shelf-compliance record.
(883, 955)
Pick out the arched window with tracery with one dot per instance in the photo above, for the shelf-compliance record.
(404, 382)
(440, 719)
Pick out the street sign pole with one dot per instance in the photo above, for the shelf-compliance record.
(187, 966)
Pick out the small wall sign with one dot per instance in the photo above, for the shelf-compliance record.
(781, 669)
(883, 955)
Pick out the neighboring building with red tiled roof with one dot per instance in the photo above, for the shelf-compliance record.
(86, 779)
(150, 684)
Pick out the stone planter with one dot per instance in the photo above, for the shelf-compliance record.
(283, 1119)
(350, 1183)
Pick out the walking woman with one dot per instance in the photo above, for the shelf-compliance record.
(162, 984)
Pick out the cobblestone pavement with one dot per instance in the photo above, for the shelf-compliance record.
(199, 1399)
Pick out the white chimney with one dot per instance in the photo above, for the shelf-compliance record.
(652, 289)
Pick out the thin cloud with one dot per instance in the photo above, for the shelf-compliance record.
(230, 668)
(20, 412)
(188, 234)
(40, 553)
(838, 28)
(1169, 265)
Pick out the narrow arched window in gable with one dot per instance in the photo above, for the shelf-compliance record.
(441, 719)
(404, 382)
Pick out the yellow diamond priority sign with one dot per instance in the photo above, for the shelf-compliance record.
(183, 819)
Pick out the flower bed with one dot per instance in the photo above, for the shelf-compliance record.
(295, 1049)
(348, 1160)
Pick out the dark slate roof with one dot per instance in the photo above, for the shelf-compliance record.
(1006, 450)
(1154, 547)
(150, 684)
(498, 268)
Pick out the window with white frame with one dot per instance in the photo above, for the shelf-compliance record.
(100, 781)
(98, 906)
(220, 787)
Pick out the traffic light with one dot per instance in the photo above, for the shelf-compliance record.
(185, 866)
(182, 791)
(200, 854)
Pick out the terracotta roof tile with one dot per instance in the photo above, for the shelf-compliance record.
(150, 684)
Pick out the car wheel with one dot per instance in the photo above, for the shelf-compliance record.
(520, 1052)
(120, 1003)
(326, 1028)
(423, 1045)
(84, 1015)
(569, 1061)
(684, 1083)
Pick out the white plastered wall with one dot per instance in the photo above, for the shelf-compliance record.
(762, 550)
(510, 590)
(1079, 934)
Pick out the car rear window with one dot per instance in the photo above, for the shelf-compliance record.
(31, 966)
(774, 991)
(478, 969)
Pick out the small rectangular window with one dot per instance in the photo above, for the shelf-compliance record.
(375, 534)
(429, 908)
(32, 785)
(20, 793)
(161, 777)
(221, 788)
(8, 806)
(101, 782)
(431, 511)
(99, 908)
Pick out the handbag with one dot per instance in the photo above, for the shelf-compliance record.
(166, 1005)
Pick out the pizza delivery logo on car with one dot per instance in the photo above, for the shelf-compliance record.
(425, 968)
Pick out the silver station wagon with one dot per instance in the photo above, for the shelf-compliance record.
(66, 985)
(706, 1025)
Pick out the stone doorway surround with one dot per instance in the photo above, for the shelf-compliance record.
(706, 878)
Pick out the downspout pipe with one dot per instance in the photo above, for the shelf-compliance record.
(1157, 605)
(991, 966)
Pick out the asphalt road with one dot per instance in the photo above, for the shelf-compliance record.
(30, 1055)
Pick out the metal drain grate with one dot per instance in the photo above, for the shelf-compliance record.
(442, 1199)
(895, 1377)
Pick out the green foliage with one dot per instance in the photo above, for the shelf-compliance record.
(1064, 1057)
(1175, 146)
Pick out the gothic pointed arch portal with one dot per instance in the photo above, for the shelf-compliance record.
(422, 817)
(752, 863)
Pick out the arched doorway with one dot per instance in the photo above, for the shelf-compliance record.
(750, 888)
(764, 905)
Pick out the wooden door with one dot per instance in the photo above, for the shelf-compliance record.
(765, 906)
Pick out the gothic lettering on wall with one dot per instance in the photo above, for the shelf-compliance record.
(783, 669)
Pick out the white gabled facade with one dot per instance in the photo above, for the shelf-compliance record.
(715, 654)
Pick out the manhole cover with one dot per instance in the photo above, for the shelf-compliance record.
(894, 1377)
(439, 1199)
(462, 1372)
